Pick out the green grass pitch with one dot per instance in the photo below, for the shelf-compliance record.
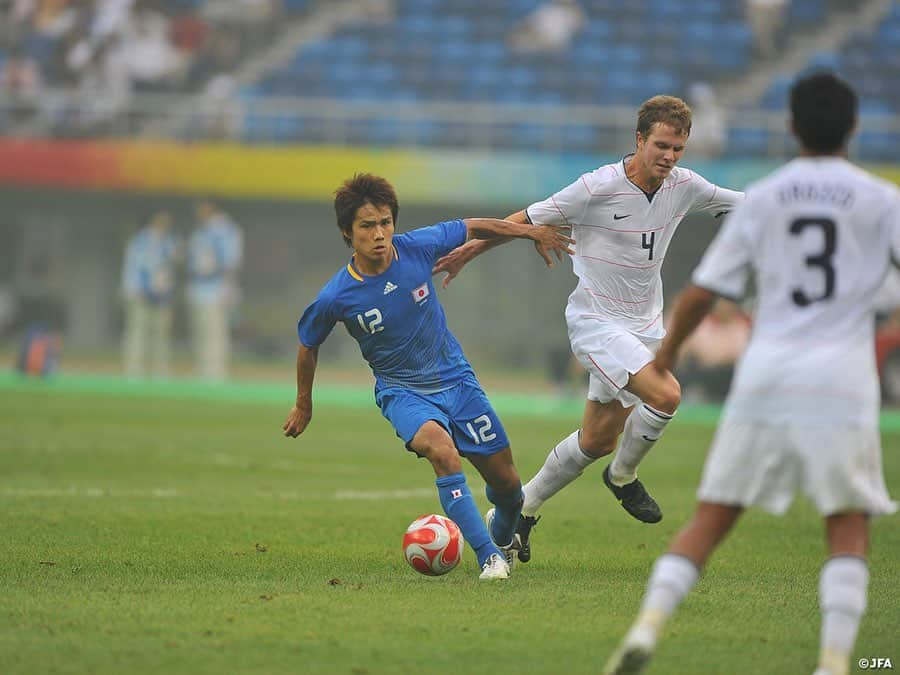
(151, 530)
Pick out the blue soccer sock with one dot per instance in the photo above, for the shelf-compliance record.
(460, 507)
(506, 515)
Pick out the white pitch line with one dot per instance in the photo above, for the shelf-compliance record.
(169, 493)
(157, 493)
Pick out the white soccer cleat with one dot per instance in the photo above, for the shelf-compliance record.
(833, 662)
(510, 550)
(633, 654)
(494, 567)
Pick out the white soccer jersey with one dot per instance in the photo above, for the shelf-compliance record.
(818, 235)
(621, 237)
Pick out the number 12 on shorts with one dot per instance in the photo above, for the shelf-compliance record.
(480, 430)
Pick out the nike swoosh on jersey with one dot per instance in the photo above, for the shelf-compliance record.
(648, 439)
(616, 216)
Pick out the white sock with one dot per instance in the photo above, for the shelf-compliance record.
(565, 463)
(672, 578)
(642, 429)
(842, 598)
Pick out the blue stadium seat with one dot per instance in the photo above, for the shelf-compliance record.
(824, 61)
(807, 11)
(748, 142)
(596, 30)
(579, 138)
(876, 145)
(440, 51)
(776, 96)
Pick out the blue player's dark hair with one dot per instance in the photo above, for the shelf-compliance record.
(355, 192)
(823, 112)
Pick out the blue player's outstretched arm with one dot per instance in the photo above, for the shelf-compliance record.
(301, 414)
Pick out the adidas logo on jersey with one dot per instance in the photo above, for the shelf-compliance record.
(389, 287)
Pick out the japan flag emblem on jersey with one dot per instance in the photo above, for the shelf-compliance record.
(420, 293)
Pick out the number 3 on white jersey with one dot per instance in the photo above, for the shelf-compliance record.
(483, 434)
(374, 324)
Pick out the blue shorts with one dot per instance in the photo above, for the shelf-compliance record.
(463, 410)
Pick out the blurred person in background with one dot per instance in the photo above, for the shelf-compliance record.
(148, 286)
(256, 20)
(20, 84)
(709, 131)
(766, 18)
(566, 374)
(105, 86)
(549, 29)
(623, 216)
(219, 108)
(215, 252)
(219, 54)
(110, 17)
(19, 12)
(153, 61)
(818, 236)
(708, 357)
(53, 18)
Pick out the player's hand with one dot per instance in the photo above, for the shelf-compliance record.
(664, 359)
(297, 421)
(553, 239)
(452, 264)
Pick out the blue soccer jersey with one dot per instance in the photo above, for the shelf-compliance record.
(395, 316)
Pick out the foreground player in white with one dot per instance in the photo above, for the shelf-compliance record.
(623, 217)
(818, 235)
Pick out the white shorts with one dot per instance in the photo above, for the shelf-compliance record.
(611, 354)
(838, 468)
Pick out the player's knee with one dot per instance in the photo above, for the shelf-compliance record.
(666, 397)
(598, 442)
(505, 485)
(444, 458)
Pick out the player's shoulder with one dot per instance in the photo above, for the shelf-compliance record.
(411, 239)
(682, 177)
(877, 184)
(428, 234)
(597, 181)
(767, 184)
(345, 279)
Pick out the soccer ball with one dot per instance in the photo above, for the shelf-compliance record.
(433, 545)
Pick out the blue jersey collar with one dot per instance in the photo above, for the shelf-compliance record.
(356, 274)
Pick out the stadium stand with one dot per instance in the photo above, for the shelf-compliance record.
(871, 60)
(74, 67)
(420, 72)
(457, 53)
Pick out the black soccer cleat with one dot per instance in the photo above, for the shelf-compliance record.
(523, 532)
(634, 499)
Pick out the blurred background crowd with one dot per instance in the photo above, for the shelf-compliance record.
(525, 74)
(501, 102)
